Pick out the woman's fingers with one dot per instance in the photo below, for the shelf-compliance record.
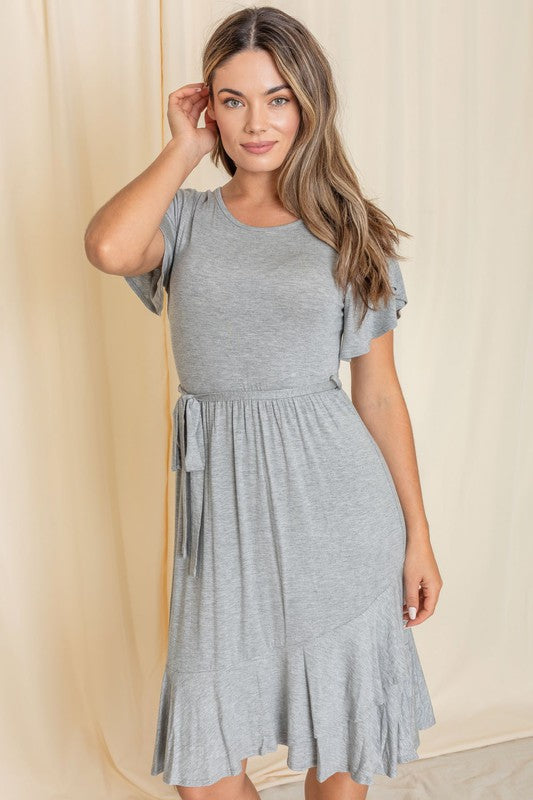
(425, 603)
(422, 582)
(185, 105)
(198, 104)
(192, 103)
(188, 88)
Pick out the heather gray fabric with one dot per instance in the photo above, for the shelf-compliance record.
(286, 611)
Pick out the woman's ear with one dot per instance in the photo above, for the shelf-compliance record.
(209, 114)
(208, 117)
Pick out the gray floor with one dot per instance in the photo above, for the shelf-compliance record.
(496, 772)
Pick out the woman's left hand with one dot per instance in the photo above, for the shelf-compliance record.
(421, 581)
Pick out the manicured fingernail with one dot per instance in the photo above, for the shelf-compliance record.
(412, 612)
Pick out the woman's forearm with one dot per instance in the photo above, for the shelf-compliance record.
(387, 419)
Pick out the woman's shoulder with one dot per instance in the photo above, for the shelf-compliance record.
(191, 195)
(192, 200)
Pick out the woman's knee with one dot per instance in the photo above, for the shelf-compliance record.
(224, 789)
(340, 784)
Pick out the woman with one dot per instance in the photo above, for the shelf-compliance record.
(301, 538)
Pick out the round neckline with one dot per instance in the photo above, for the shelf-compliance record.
(227, 213)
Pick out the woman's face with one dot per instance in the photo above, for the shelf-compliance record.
(246, 110)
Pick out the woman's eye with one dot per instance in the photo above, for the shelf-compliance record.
(234, 100)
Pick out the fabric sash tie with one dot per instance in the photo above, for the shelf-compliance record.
(189, 456)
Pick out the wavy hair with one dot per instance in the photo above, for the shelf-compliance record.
(316, 181)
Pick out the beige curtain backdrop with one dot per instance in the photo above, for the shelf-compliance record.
(436, 113)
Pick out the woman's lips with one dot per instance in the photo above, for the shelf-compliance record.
(259, 148)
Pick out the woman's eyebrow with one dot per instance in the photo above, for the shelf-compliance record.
(268, 91)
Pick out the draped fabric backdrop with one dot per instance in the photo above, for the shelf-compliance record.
(436, 114)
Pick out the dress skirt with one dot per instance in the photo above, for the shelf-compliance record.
(286, 622)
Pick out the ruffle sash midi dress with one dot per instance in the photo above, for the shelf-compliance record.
(286, 614)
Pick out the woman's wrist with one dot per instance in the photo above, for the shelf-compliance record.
(418, 532)
(184, 152)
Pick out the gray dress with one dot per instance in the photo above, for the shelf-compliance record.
(286, 619)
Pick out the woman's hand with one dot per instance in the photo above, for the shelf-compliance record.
(421, 580)
(184, 108)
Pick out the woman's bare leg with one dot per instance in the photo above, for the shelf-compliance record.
(235, 787)
(339, 786)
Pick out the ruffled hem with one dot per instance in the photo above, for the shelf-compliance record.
(349, 700)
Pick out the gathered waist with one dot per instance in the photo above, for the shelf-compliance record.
(188, 453)
(306, 387)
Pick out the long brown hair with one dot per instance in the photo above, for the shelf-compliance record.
(316, 181)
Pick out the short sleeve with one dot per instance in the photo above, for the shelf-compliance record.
(355, 340)
(149, 286)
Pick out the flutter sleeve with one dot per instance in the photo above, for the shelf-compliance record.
(356, 339)
(149, 286)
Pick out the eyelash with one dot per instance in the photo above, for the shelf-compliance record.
(277, 105)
